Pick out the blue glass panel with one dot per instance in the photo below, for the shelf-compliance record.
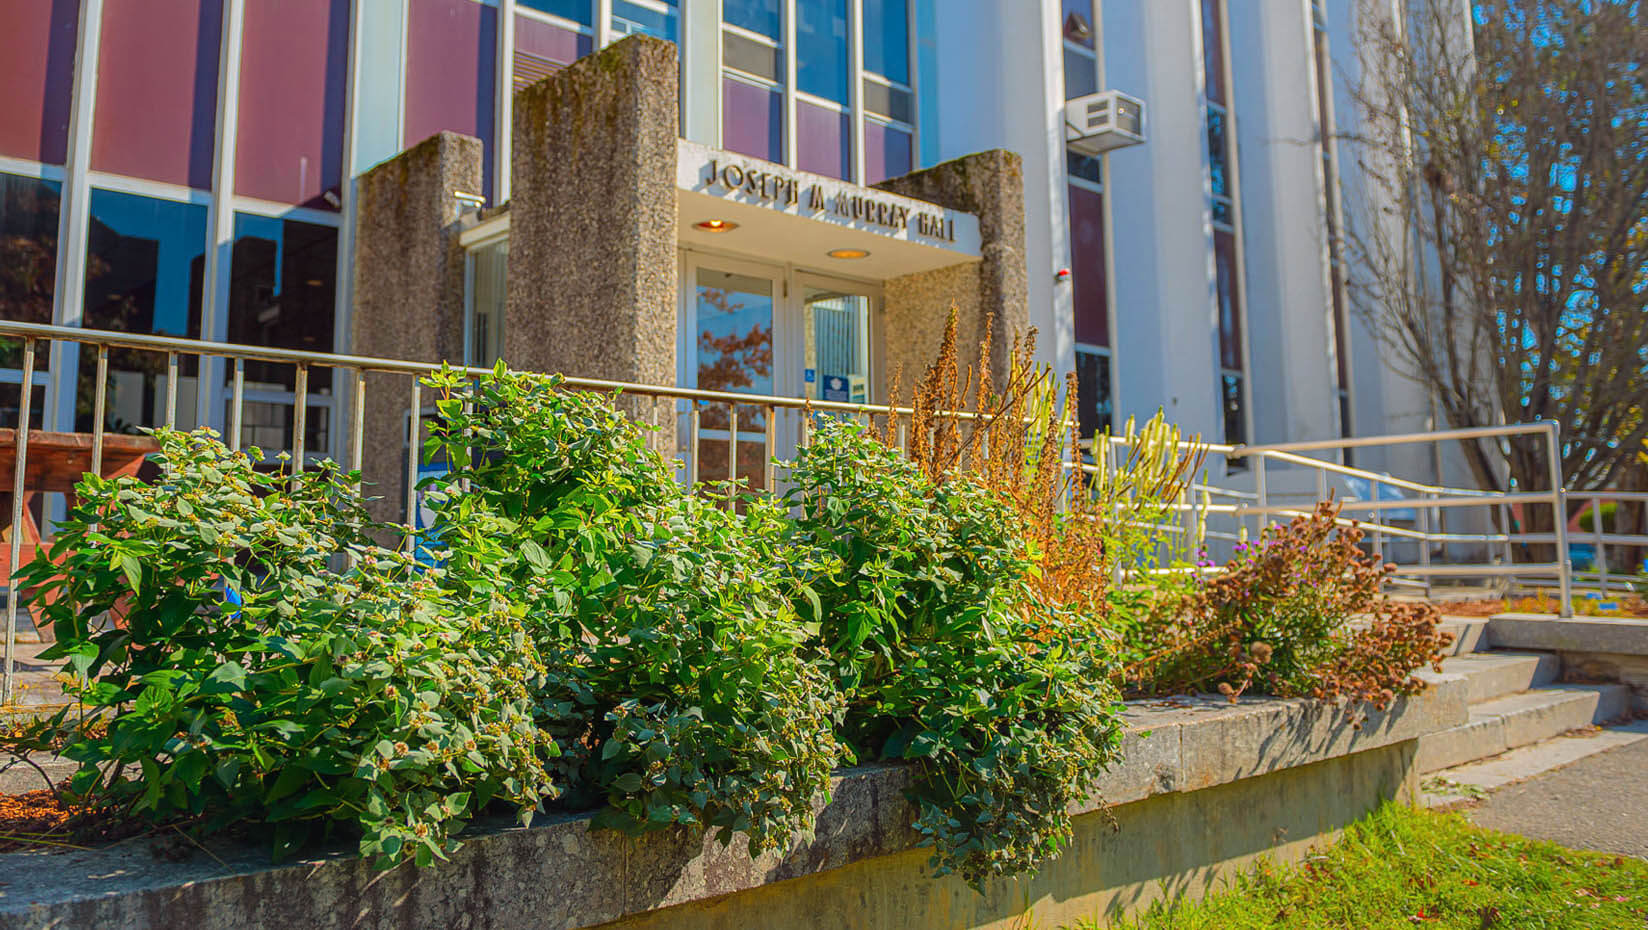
(630, 19)
(378, 92)
(755, 15)
(1218, 152)
(579, 11)
(282, 289)
(821, 48)
(887, 39)
(1081, 74)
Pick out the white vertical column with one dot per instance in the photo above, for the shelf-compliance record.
(788, 30)
(503, 119)
(701, 71)
(220, 223)
(343, 288)
(603, 24)
(855, 86)
(74, 219)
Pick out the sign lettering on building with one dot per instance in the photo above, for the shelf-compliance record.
(783, 189)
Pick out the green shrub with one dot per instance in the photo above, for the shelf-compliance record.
(244, 680)
(927, 619)
(688, 700)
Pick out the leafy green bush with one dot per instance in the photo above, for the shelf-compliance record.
(244, 680)
(687, 699)
(929, 623)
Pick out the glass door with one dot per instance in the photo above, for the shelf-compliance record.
(731, 312)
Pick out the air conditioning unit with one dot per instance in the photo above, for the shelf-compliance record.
(1096, 123)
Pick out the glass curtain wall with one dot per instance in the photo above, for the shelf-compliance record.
(868, 144)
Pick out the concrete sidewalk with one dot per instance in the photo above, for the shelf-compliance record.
(1599, 803)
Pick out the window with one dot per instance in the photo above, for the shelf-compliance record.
(578, 11)
(821, 48)
(824, 140)
(1332, 221)
(28, 268)
(543, 48)
(1222, 209)
(752, 86)
(1095, 412)
(1081, 59)
(293, 71)
(282, 289)
(451, 48)
(156, 107)
(37, 50)
(887, 39)
(656, 18)
(488, 297)
(145, 267)
(888, 151)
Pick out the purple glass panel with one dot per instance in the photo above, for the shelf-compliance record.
(1230, 302)
(824, 142)
(451, 46)
(752, 120)
(547, 40)
(37, 71)
(1092, 304)
(293, 70)
(886, 152)
(1213, 50)
(157, 91)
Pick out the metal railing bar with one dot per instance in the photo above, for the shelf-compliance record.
(19, 472)
(171, 390)
(414, 452)
(1396, 439)
(300, 418)
(237, 405)
(100, 404)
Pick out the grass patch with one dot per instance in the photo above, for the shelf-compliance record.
(1401, 868)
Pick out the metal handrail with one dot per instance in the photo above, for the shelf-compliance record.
(1204, 500)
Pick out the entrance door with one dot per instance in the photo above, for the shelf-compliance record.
(753, 328)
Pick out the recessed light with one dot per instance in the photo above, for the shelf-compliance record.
(848, 253)
(716, 225)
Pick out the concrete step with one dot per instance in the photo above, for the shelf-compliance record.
(1520, 719)
(1470, 634)
(1465, 783)
(1495, 674)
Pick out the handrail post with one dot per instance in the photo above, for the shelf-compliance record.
(1425, 545)
(1601, 545)
(1559, 512)
(19, 468)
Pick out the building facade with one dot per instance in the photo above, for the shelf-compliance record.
(836, 173)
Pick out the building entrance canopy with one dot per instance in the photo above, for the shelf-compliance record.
(736, 204)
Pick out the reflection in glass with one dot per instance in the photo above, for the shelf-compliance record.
(1235, 422)
(579, 11)
(145, 264)
(1081, 74)
(887, 39)
(821, 48)
(28, 255)
(755, 15)
(1078, 22)
(630, 19)
(489, 267)
(837, 352)
(735, 353)
(1218, 152)
(282, 288)
(1095, 411)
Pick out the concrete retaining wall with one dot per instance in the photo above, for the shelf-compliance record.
(1591, 648)
(1205, 786)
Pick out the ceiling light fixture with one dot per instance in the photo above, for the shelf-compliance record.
(848, 253)
(716, 226)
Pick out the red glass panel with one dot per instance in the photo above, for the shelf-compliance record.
(887, 152)
(293, 72)
(37, 72)
(752, 120)
(450, 49)
(823, 140)
(157, 91)
(1092, 304)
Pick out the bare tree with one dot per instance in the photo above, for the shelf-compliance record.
(1500, 245)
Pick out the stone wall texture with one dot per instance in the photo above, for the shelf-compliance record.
(409, 289)
(1204, 786)
(989, 185)
(592, 237)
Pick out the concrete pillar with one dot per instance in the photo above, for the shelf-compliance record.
(409, 289)
(592, 228)
(991, 186)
